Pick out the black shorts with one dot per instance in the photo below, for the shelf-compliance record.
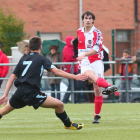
(27, 95)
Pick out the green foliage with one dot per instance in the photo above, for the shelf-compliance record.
(11, 30)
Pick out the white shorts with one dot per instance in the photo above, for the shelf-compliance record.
(97, 67)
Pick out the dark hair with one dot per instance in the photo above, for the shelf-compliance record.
(126, 51)
(35, 43)
(88, 13)
(53, 47)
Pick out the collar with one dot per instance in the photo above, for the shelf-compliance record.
(32, 53)
(91, 30)
(82, 29)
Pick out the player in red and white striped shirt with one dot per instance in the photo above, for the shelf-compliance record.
(90, 57)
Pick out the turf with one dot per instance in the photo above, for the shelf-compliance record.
(118, 122)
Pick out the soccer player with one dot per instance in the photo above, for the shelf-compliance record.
(28, 74)
(90, 57)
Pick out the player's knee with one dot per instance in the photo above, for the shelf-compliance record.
(97, 91)
(60, 105)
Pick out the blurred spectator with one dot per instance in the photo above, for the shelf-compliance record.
(27, 51)
(137, 60)
(3, 69)
(68, 56)
(54, 56)
(23, 47)
(126, 57)
(89, 86)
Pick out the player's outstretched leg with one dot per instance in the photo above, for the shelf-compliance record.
(110, 89)
(67, 123)
(56, 104)
(5, 110)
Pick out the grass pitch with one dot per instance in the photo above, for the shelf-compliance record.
(118, 122)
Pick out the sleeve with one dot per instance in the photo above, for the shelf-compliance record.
(96, 48)
(5, 69)
(17, 70)
(98, 41)
(48, 64)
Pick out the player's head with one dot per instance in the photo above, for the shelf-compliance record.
(35, 43)
(88, 13)
(126, 53)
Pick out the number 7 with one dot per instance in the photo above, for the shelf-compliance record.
(28, 63)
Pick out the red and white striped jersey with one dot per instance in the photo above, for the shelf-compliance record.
(88, 41)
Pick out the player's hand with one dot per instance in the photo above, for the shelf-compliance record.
(3, 100)
(134, 58)
(80, 58)
(81, 77)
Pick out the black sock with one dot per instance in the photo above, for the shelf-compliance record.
(0, 116)
(64, 118)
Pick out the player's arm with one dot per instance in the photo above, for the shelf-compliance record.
(95, 48)
(3, 99)
(91, 52)
(81, 77)
(50, 67)
(9, 84)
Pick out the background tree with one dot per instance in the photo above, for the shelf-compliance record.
(11, 30)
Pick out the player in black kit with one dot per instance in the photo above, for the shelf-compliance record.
(27, 76)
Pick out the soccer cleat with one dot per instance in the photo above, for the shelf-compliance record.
(108, 90)
(96, 119)
(75, 126)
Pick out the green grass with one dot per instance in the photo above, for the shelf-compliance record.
(118, 122)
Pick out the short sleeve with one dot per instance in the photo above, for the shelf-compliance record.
(48, 64)
(17, 70)
(96, 48)
(98, 40)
